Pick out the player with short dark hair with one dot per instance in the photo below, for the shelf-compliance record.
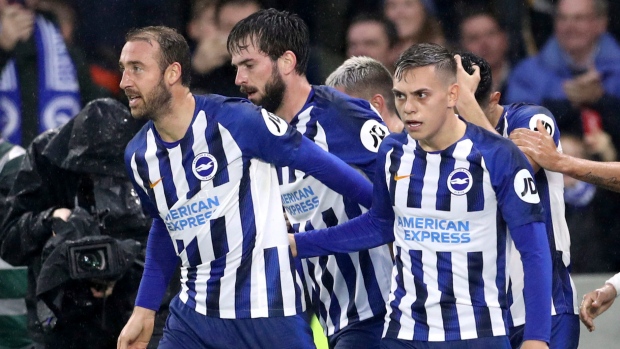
(505, 119)
(347, 291)
(448, 193)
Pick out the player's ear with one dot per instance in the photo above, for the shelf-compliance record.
(377, 101)
(494, 99)
(453, 95)
(287, 62)
(172, 74)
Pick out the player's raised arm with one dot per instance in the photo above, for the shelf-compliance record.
(540, 147)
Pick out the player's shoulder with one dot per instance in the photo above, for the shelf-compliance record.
(334, 103)
(225, 109)
(393, 141)
(139, 140)
(526, 115)
(489, 144)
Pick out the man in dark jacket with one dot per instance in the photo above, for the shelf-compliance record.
(44, 82)
(68, 171)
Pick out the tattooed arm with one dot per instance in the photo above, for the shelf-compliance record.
(540, 147)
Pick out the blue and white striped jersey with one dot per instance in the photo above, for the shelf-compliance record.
(551, 190)
(217, 192)
(344, 288)
(451, 211)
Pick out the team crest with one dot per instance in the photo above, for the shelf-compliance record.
(460, 181)
(204, 166)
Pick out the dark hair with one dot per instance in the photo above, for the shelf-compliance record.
(272, 32)
(173, 48)
(364, 77)
(388, 26)
(425, 54)
(484, 89)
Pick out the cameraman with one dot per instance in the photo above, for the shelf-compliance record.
(71, 173)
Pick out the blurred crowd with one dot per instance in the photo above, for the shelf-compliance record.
(57, 55)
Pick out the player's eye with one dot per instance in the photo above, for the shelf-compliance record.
(399, 95)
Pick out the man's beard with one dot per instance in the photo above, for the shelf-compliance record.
(158, 102)
(274, 92)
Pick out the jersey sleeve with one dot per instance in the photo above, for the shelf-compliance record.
(271, 139)
(527, 115)
(145, 201)
(513, 181)
(354, 132)
(159, 265)
(373, 228)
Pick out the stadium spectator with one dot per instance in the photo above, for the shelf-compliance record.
(372, 36)
(576, 75)
(415, 23)
(44, 81)
(211, 69)
(482, 35)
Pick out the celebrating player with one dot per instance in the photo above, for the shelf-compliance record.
(202, 166)
(348, 291)
(445, 192)
(504, 119)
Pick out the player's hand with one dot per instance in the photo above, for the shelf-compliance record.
(17, 24)
(291, 240)
(138, 331)
(467, 81)
(539, 146)
(595, 303)
(531, 344)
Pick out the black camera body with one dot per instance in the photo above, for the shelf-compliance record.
(96, 257)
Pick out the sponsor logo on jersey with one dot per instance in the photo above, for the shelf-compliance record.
(300, 201)
(459, 181)
(372, 134)
(525, 187)
(425, 229)
(204, 166)
(546, 120)
(191, 215)
(276, 125)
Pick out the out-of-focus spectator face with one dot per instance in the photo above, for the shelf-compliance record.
(577, 26)
(407, 15)
(30, 4)
(369, 39)
(231, 14)
(482, 36)
(203, 25)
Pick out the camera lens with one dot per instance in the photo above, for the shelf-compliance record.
(91, 260)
